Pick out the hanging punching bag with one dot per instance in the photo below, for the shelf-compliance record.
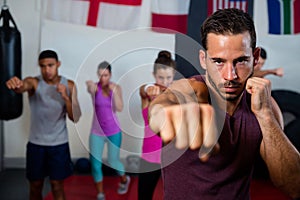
(11, 103)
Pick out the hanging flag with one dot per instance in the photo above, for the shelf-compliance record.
(214, 5)
(171, 15)
(107, 14)
(200, 10)
(284, 16)
(187, 48)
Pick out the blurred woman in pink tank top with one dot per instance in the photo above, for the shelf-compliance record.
(150, 168)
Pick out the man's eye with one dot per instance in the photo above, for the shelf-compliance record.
(242, 61)
(218, 63)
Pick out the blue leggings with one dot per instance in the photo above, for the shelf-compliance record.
(96, 143)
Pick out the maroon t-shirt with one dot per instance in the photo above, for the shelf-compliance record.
(226, 175)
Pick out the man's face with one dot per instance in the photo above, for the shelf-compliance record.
(228, 62)
(49, 68)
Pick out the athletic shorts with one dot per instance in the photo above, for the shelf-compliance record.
(44, 161)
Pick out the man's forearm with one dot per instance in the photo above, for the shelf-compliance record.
(281, 157)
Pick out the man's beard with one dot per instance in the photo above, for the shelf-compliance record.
(226, 84)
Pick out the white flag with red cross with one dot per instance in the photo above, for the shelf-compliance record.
(107, 14)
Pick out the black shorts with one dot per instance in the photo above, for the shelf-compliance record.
(52, 161)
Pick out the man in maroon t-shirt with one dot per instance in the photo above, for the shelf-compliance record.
(241, 120)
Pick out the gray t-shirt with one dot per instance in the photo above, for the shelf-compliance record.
(48, 115)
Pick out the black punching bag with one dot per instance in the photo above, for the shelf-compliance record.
(11, 103)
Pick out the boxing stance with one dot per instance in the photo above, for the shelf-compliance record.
(107, 100)
(51, 98)
(150, 166)
(212, 147)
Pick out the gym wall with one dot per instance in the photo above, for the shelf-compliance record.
(132, 53)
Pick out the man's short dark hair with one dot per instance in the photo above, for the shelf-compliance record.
(228, 21)
(48, 54)
(263, 53)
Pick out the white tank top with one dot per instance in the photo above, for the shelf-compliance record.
(48, 115)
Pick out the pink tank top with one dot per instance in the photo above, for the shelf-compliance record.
(152, 143)
(105, 121)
